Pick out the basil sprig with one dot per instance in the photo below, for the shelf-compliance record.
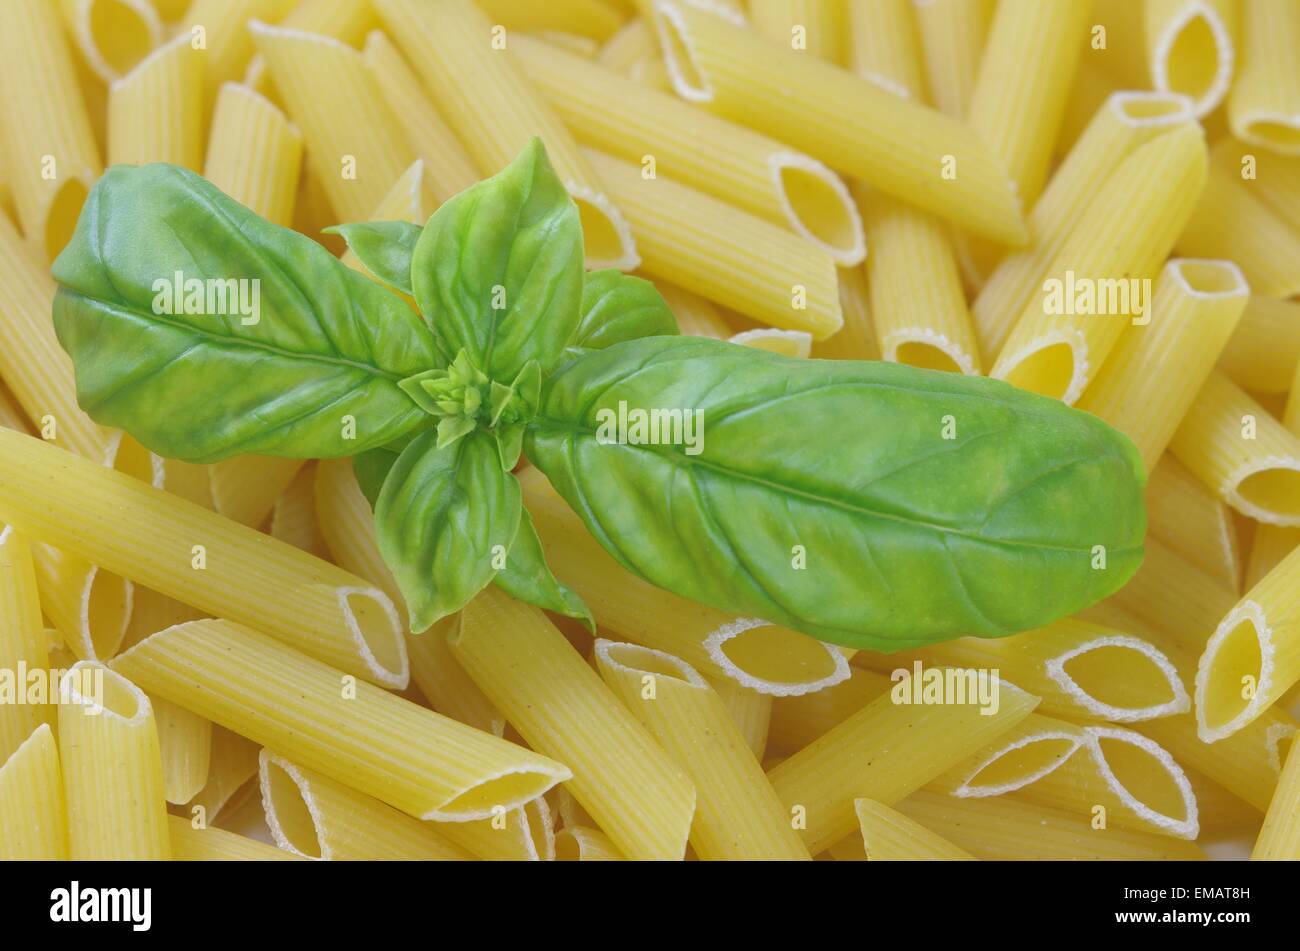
(868, 504)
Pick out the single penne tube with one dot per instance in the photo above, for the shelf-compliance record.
(798, 720)
(727, 255)
(1124, 122)
(112, 770)
(1034, 747)
(1013, 829)
(634, 41)
(1279, 839)
(223, 27)
(33, 819)
(113, 36)
(90, 607)
(1191, 519)
(496, 116)
(185, 743)
(856, 340)
(627, 120)
(1270, 545)
(1094, 286)
(207, 844)
(200, 558)
(449, 167)
(1195, 307)
(1262, 353)
(737, 813)
(348, 525)
(1264, 108)
(155, 112)
(523, 834)
(1231, 221)
(254, 153)
(1190, 48)
(23, 645)
(1253, 657)
(809, 26)
(424, 764)
(750, 711)
(695, 315)
(885, 751)
(585, 844)
(915, 153)
(640, 797)
(315, 817)
(1241, 452)
(917, 302)
(293, 519)
(952, 34)
(890, 836)
(332, 97)
(884, 47)
(593, 19)
(345, 20)
(763, 657)
(33, 822)
(232, 763)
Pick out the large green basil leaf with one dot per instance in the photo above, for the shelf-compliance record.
(499, 268)
(313, 344)
(446, 520)
(528, 577)
(868, 504)
(385, 248)
(618, 307)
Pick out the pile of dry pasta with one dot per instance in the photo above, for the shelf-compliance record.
(1095, 201)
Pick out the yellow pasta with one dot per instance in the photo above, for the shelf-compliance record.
(221, 28)
(1193, 310)
(885, 47)
(523, 834)
(584, 844)
(185, 743)
(112, 771)
(232, 763)
(953, 34)
(726, 255)
(11, 414)
(155, 112)
(884, 751)
(207, 844)
(856, 340)
(23, 646)
(811, 26)
(750, 711)
(194, 555)
(1264, 108)
(113, 36)
(635, 41)
(1190, 519)
(1279, 840)
(1241, 452)
(316, 817)
(499, 113)
(254, 153)
(33, 823)
(89, 606)
(1094, 286)
(424, 764)
(914, 153)
(737, 813)
(1092, 87)
(1264, 350)
(695, 315)
(641, 798)
(593, 19)
(1124, 123)
(1190, 48)
(890, 836)
(798, 720)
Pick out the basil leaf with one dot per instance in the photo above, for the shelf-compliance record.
(527, 577)
(500, 265)
(371, 469)
(443, 517)
(618, 307)
(385, 248)
(315, 343)
(828, 497)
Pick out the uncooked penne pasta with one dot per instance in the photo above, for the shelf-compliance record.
(1191, 48)
(254, 153)
(155, 112)
(659, 132)
(195, 555)
(11, 414)
(112, 771)
(914, 153)
(346, 20)
(798, 720)
(33, 823)
(192, 843)
(750, 711)
(185, 743)
(426, 765)
(293, 519)
(856, 340)
(885, 751)
(1274, 178)
(1192, 520)
(1124, 123)
(641, 798)
(593, 19)
(113, 36)
(585, 844)
(1152, 375)
(315, 817)
(695, 315)
(232, 763)
(890, 836)
(884, 47)
(1279, 840)
(1095, 284)
(1264, 350)
(1264, 108)
(90, 607)
(23, 646)
(498, 114)
(811, 26)
(523, 834)
(737, 813)
(635, 41)
(221, 26)
(953, 33)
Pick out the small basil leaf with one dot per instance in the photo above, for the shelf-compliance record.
(868, 504)
(510, 444)
(371, 469)
(443, 517)
(308, 366)
(500, 265)
(385, 248)
(527, 577)
(618, 307)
